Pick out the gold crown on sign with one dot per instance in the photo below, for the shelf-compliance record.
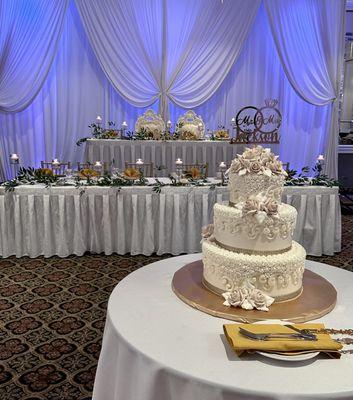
(271, 103)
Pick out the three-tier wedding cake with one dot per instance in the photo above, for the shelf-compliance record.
(249, 256)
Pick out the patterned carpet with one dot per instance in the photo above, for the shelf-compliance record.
(52, 314)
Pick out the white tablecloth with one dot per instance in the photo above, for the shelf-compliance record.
(155, 347)
(35, 220)
(162, 153)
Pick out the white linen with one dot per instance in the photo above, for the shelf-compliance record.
(318, 226)
(163, 50)
(30, 33)
(162, 153)
(155, 347)
(312, 60)
(35, 220)
(76, 90)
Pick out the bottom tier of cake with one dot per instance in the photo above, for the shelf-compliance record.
(277, 275)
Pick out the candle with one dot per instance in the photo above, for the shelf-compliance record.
(233, 120)
(14, 157)
(169, 123)
(124, 125)
(178, 162)
(320, 158)
(222, 165)
(99, 119)
(55, 161)
(139, 161)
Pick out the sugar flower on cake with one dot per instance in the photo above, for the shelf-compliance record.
(207, 231)
(251, 206)
(270, 206)
(259, 207)
(257, 161)
(259, 300)
(234, 298)
(248, 298)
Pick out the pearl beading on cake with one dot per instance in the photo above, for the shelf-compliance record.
(241, 187)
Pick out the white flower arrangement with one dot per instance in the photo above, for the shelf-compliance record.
(259, 161)
(259, 207)
(248, 298)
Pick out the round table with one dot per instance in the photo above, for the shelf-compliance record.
(155, 347)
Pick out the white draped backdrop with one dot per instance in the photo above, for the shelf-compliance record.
(64, 62)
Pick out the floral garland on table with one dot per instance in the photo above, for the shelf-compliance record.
(220, 134)
(257, 160)
(31, 176)
(184, 182)
(98, 132)
(84, 178)
(301, 179)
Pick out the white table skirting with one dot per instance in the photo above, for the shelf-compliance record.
(35, 220)
(162, 153)
(155, 347)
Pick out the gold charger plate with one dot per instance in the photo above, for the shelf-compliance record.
(317, 299)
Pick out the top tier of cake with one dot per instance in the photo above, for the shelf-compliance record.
(256, 171)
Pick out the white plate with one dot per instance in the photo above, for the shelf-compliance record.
(296, 358)
(282, 357)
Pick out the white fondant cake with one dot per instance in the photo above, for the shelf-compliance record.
(252, 236)
(239, 233)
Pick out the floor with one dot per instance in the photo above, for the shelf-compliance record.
(52, 314)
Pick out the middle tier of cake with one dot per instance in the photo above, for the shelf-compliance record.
(236, 232)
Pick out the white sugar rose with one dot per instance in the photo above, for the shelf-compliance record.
(207, 231)
(250, 154)
(265, 159)
(260, 216)
(234, 298)
(255, 167)
(276, 167)
(270, 206)
(245, 163)
(259, 300)
(251, 206)
(236, 166)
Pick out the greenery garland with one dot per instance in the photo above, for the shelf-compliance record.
(301, 179)
(32, 176)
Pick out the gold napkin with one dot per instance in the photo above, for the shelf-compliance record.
(240, 344)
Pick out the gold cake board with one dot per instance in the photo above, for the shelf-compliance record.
(317, 299)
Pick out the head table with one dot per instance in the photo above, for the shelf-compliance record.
(157, 347)
(64, 220)
(162, 153)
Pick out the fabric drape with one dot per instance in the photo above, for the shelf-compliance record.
(162, 49)
(309, 39)
(258, 74)
(76, 90)
(30, 32)
(126, 37)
